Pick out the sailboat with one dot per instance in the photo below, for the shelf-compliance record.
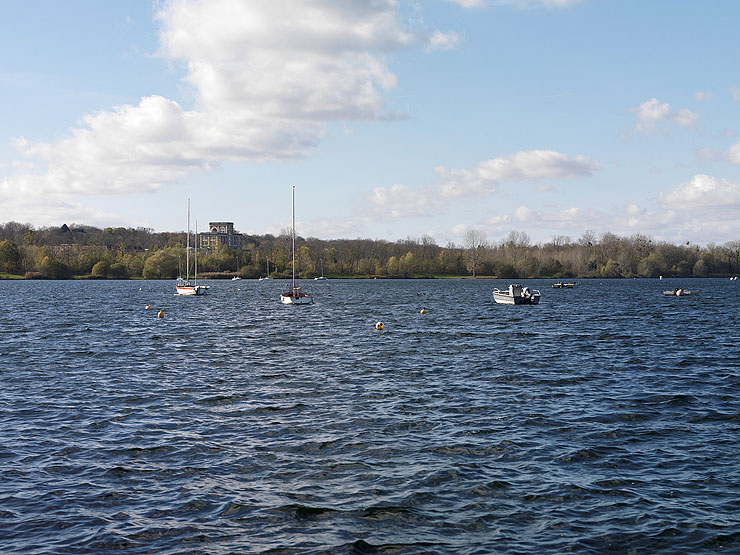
(321, 277)
(294, 295)
(184, 287)
(268, 272)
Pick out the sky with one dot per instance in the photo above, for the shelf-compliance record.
(392, 118)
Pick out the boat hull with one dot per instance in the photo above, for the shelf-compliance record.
(505, 298)
(300, 298)
(191, 290)
(516, 294)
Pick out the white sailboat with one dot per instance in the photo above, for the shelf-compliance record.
(268, 272)
(321, 277)
(294, 295)
(183, 286)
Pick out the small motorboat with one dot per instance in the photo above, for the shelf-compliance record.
(516, 294)
(561, 285)
(677, 292)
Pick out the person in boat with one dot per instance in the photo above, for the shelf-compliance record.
(525, 293)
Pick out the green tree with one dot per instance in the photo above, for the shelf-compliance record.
(10, 257)
(101, 269)
(54, 269)
(160, 265)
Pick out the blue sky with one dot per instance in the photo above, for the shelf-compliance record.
(391, 118)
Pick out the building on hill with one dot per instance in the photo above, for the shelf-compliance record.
(220, 233)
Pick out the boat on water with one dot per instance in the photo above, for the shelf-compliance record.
(516, 294)
(267, 277)
(561, 285)
(294, 295)
(321, 277)
(235, 278)
(183, 286)
(677, 292)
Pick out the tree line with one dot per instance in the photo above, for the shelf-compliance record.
(125, 253)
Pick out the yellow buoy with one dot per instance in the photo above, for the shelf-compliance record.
(423, 311)
(161, 314)
(379, 326)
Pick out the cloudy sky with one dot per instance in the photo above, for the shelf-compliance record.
(392, 118)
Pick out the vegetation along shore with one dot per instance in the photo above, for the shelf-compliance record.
(79, 251)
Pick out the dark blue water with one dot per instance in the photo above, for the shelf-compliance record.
(606, 419)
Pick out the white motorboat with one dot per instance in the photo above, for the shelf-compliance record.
(294, 295)
(516, 294)
(183, 286)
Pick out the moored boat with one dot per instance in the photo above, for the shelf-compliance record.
(516, 294)
(294, 295)
(267, 277)
(183, 286)
(677, 292)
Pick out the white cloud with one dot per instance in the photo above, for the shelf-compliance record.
(702, 191)
(400, 201)
(651, 114)
(442, 41)
(733, 153)
(484, 179)
(265, 78)
(702, 96)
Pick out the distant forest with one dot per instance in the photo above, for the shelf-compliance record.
(80, 251)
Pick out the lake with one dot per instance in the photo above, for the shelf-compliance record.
(605, 419)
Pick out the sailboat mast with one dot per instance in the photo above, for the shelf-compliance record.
(196, 252)
(187, 248)
(293, 237)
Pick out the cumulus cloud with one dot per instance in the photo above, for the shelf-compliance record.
(651, 114)
(529, 165)
(702, 191)
(458, 184)
(265, 79)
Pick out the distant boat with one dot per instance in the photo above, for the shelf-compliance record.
(677, 292)
(183, 286)
(235, 278)
(321, 277)
(294, 295)
(268, 272)
(516, 294)
(561, 285)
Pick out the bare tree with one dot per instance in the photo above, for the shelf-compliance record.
(475, 243)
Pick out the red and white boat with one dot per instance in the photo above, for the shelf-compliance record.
(294, 295)
(183, 286)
